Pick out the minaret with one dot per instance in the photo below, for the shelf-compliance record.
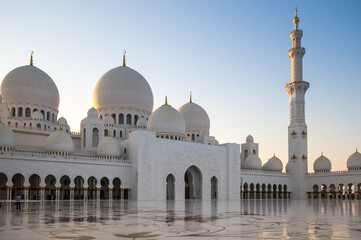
(297, 130)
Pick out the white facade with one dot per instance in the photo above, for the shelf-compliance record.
(126, 150)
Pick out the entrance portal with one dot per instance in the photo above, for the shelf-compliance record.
(170, 187)
(193, 183)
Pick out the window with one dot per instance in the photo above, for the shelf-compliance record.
(129, 119)
(121, 134)
(84, 137)
(114, 117)
(27, 112)
(106, 132)
(95, 138)
(136, 119)
(48, 116)
(114, 133)
(20, 112)
(13, 112)
(193, 137)
(121, 118)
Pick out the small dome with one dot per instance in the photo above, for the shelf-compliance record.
(167, 120)
(354, 161)
(109, 121)
(274, 164)
(142, 122)
(249, 139)
(322, 164)
(30, 85)
(109, 147)
(123, 87)
(92, 113)
(62, 121)
(59, 141)
(195, 117)
(7, 138)
(253, 162)
(37, 116)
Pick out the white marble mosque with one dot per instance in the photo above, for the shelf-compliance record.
(125, 150)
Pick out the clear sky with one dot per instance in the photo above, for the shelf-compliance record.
(231, 54)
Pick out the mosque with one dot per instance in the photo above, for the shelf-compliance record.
(125, 150)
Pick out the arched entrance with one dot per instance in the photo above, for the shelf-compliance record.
(18, 187)
(214, 188)
(116, 188)
(3, 187)
(170, 188)
(79, 188)
(193, 183)
(34, 192)
(104, 190)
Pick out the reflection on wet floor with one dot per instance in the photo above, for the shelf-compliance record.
(195, 219)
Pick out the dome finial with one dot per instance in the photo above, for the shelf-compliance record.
(124, 52)
(190, 97)
(166, 101)
(296, 20)
(31, 57)
(274, 154)
(321, 153)
(356, 150)
(60, 129)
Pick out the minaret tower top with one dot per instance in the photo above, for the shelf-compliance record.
(296, 20)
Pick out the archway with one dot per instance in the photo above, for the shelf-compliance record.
(245, 191)
(214, 188)
(79, 188)
(170, 188)
(193, 183)
(92, 188)
(65, 188)
(18, 187)
(116, 188)
(104, 189)
(3, 187)
(315, 191)
(50, 190)
(34, 192)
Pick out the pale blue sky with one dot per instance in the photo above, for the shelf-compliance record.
(231, 54)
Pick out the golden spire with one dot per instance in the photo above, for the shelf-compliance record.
(190, 97)
(321, 153)
(166, 101)
(296, 20)
(60, 129)
(274, 154)
(124, 52)
(356, 150)
(31, 57)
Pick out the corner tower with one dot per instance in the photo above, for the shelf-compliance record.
(297, 130)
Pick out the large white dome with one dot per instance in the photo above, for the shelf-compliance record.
(253, 162)
(123, 87)
(322, 164)
(354, 161)
(7, 138)
(109, 147)
(30, 85)
(274, 164)
(195, 117)
(166, 120)
(59, 141)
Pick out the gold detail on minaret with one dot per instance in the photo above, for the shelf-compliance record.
(124, 52)
(31, 57)
(296, 20)
(166, 101)
(356, 150)
(190, 97)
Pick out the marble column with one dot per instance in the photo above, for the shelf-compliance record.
(26, 193)
(9, 190)
(85, 192)
(71, 187)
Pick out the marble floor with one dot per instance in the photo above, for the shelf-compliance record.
(246, 219)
